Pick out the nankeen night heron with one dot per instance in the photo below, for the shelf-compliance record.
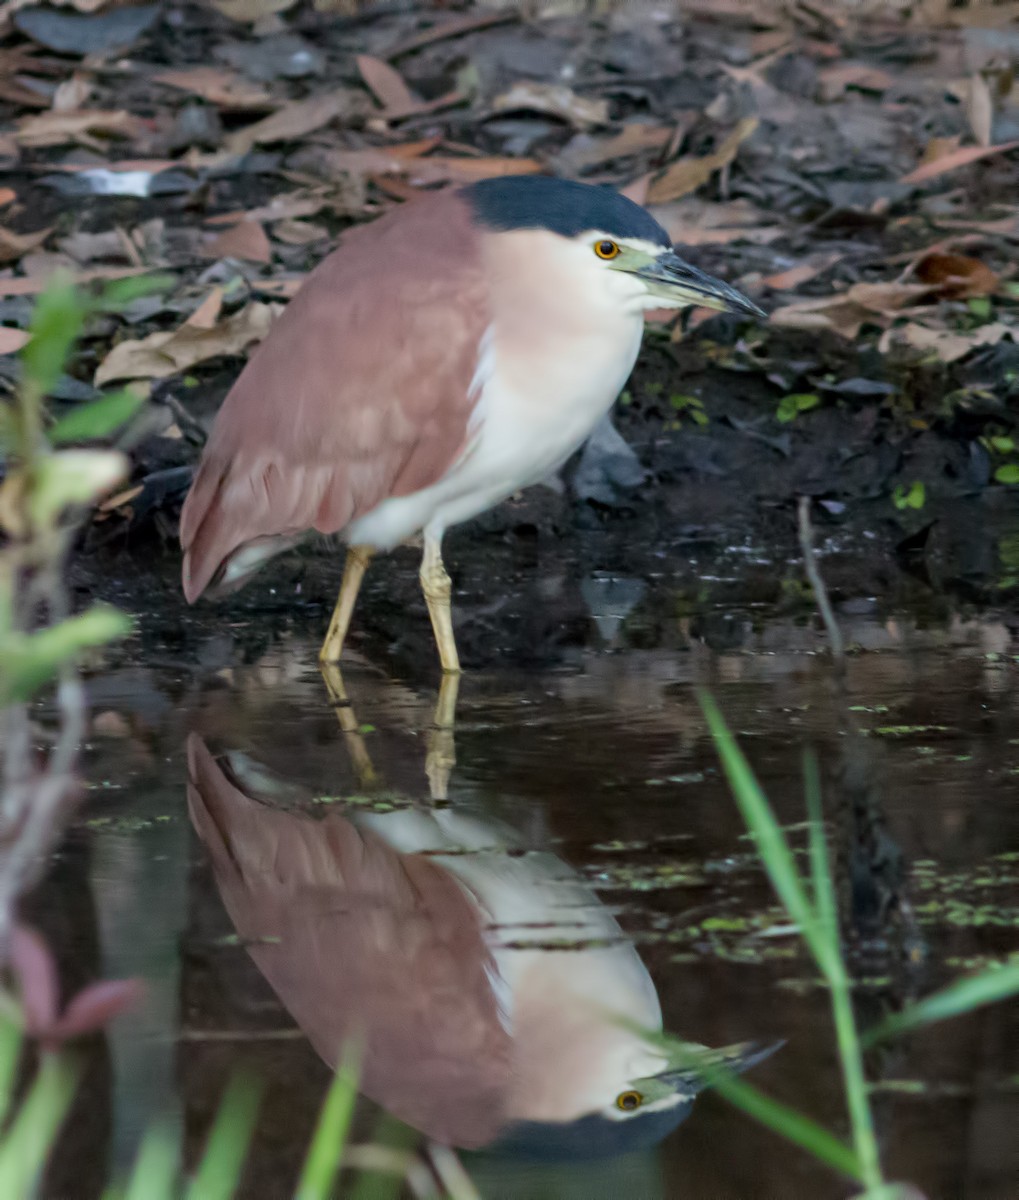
(443, 357)
(496, 998)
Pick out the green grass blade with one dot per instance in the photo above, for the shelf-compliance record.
(850, 1050)
(771, 841)
(385, 1185)
(963, 996)
(155, 1170)
(32, 1134)
(323, 1160)
(10, 1052)
(820, 867)
(223, 1161)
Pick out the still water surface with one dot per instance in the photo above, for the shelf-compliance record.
(279, 882)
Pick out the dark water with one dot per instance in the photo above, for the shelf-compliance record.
(589, 830)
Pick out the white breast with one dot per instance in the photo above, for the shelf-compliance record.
(562, 344)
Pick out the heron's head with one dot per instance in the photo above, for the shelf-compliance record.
(605, 241)
(629, 1101)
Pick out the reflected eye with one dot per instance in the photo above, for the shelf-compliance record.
(607, 249)
(628, 1101)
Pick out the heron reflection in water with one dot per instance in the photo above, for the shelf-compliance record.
(493, 994)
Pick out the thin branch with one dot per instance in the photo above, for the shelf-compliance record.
(831, 626)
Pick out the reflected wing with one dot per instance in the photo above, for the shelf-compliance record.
(359, 392)
(368, 941)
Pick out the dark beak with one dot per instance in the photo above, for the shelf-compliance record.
(673, 279)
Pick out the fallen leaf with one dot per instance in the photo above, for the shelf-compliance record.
(207, 313)
(244, 240)
(833, 81)
(37, 283)
(961, 157)
(6, 196)
(632, 139)
(947, 344)
(73, 94)
(70, 33)
(554, 100)
(786, 281)
(688, 174)
(299, 233)
(385, 83)
(980, 109)
(11, 340)
(226, 89)
(251, 10)
(14, 245)
(956, 276)
(58, 128)
(846, 313)
(293, 120)
(167, 353)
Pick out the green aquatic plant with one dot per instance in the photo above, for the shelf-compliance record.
(811, 904)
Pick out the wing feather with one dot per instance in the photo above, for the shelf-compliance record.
(360, 391)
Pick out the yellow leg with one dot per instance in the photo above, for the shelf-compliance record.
(441, 757)
(347, 718)
(358, 558)
(435, 584)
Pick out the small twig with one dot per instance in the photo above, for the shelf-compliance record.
(810, 566)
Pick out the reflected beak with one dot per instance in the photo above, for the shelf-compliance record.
(671, 279)
(689, 1071)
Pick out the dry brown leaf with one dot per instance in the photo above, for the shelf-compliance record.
(163, 354)
(31, 286)
(293, 120)
(11, 340)
(833, 81)
(385, 83)
(688, 174)
(847, 312)
(961, 157)
(980, 109)
(224, 88)
(72, 94)
(786, 281)
(299, 233)
(946, 343)
(244, 240)
(58, 128)
(632, 139)
(14, 245)
(207, 313)
(251, 10)
(956, 276)
(6, 196)
(555, 100)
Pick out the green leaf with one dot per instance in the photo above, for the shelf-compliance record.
(980, 307)
(963, 996)
(915, 496)
(220, 1169)
(27, 661)
(790, 407)
(1004, 445)
(771, 841)
(97, 419)
(323, 1160)
(28, 1140)
(119, 293)
(72, 477)
(155, 1170)
(1007, 473)
(57, 320)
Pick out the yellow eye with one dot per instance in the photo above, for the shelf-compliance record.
(628, 1101)
(607, 249)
